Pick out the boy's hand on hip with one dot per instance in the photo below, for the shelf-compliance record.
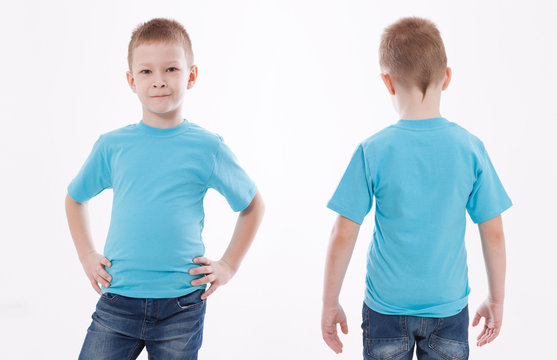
(94, 266)
(493, 314)
(217, 273)
(330, 317)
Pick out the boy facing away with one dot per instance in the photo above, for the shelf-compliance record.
(424, 173)
(153, 274)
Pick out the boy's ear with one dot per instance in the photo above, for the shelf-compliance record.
(448, 76)
(192, 77)
(131, 80)
(388, 83)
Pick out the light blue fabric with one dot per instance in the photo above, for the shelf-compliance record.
(159, 178)
(424, 175)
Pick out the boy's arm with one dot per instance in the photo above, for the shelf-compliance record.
(341, 245)
(221, 271)
(493, 246)
(93, 263)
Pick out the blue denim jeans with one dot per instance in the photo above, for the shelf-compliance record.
(392, 337)
(169, 328)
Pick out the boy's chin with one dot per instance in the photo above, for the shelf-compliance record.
(162, 111)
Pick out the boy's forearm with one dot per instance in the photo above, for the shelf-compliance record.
(493, 245)
(79, 227)
(341, 245)
(244, 232)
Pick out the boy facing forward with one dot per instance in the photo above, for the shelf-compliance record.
(425, 173)
(153, 274)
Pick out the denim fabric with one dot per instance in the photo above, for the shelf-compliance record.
(392, 337)
(170, 328)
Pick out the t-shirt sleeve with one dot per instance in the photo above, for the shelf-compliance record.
(94, 175)
(230, 180)
(354, 194)
(488, 197)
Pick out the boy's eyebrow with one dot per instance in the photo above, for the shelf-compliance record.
(171, 62)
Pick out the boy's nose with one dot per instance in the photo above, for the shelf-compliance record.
(159, 84)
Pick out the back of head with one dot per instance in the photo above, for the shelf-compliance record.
(412, 53)
(160, 30)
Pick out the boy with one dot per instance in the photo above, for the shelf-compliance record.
(424, 173)
(153, 273)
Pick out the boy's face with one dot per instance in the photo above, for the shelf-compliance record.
(160, 76)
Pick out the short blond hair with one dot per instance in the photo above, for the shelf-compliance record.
(160, 30)
(412, 53)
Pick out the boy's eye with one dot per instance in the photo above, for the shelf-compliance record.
(145, 71)
(171, 69)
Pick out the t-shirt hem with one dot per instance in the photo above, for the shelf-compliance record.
(492, 214)
(452, 309)
(74, 196)
(344, 212)
(152, 294)
(251, 194)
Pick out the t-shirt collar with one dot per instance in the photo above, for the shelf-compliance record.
(430, 123)
(163, 132)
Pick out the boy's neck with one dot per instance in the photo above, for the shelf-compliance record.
(412, 105)
(163, 121)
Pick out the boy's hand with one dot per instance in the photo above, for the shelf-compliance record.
(330, 317)
(493, 314)
(216, 272)
(93, 264)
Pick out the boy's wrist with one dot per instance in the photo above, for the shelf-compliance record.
(330, 302)
(496, 300)
(83, 255)
(230, 266)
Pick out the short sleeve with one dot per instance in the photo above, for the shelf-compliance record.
(94, 175)
(230, 180)
(354, 194)
(488, 197)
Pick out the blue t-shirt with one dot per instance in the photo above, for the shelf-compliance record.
(159, 178)
(424, 175)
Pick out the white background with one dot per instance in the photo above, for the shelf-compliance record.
(292, 86)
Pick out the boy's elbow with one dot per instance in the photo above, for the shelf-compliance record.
(496, 238)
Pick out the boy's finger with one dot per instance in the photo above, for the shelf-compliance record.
(201, 270)
(333, 342)
(96, 287)
(105, 275)
(483, 339)
(207, 293)
(493, 335)
(105, 262)
(476, 320)
(489, 338)
(482, 333)
(204, 280)
(344, 326)
(99, 279)
(202, 260)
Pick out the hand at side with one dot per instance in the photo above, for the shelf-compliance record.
(217, 273)
(94, 265)
(330, 317)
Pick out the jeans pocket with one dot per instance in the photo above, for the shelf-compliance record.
(110, 297)
(387, 348)
(449, 349)
(190, 302)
